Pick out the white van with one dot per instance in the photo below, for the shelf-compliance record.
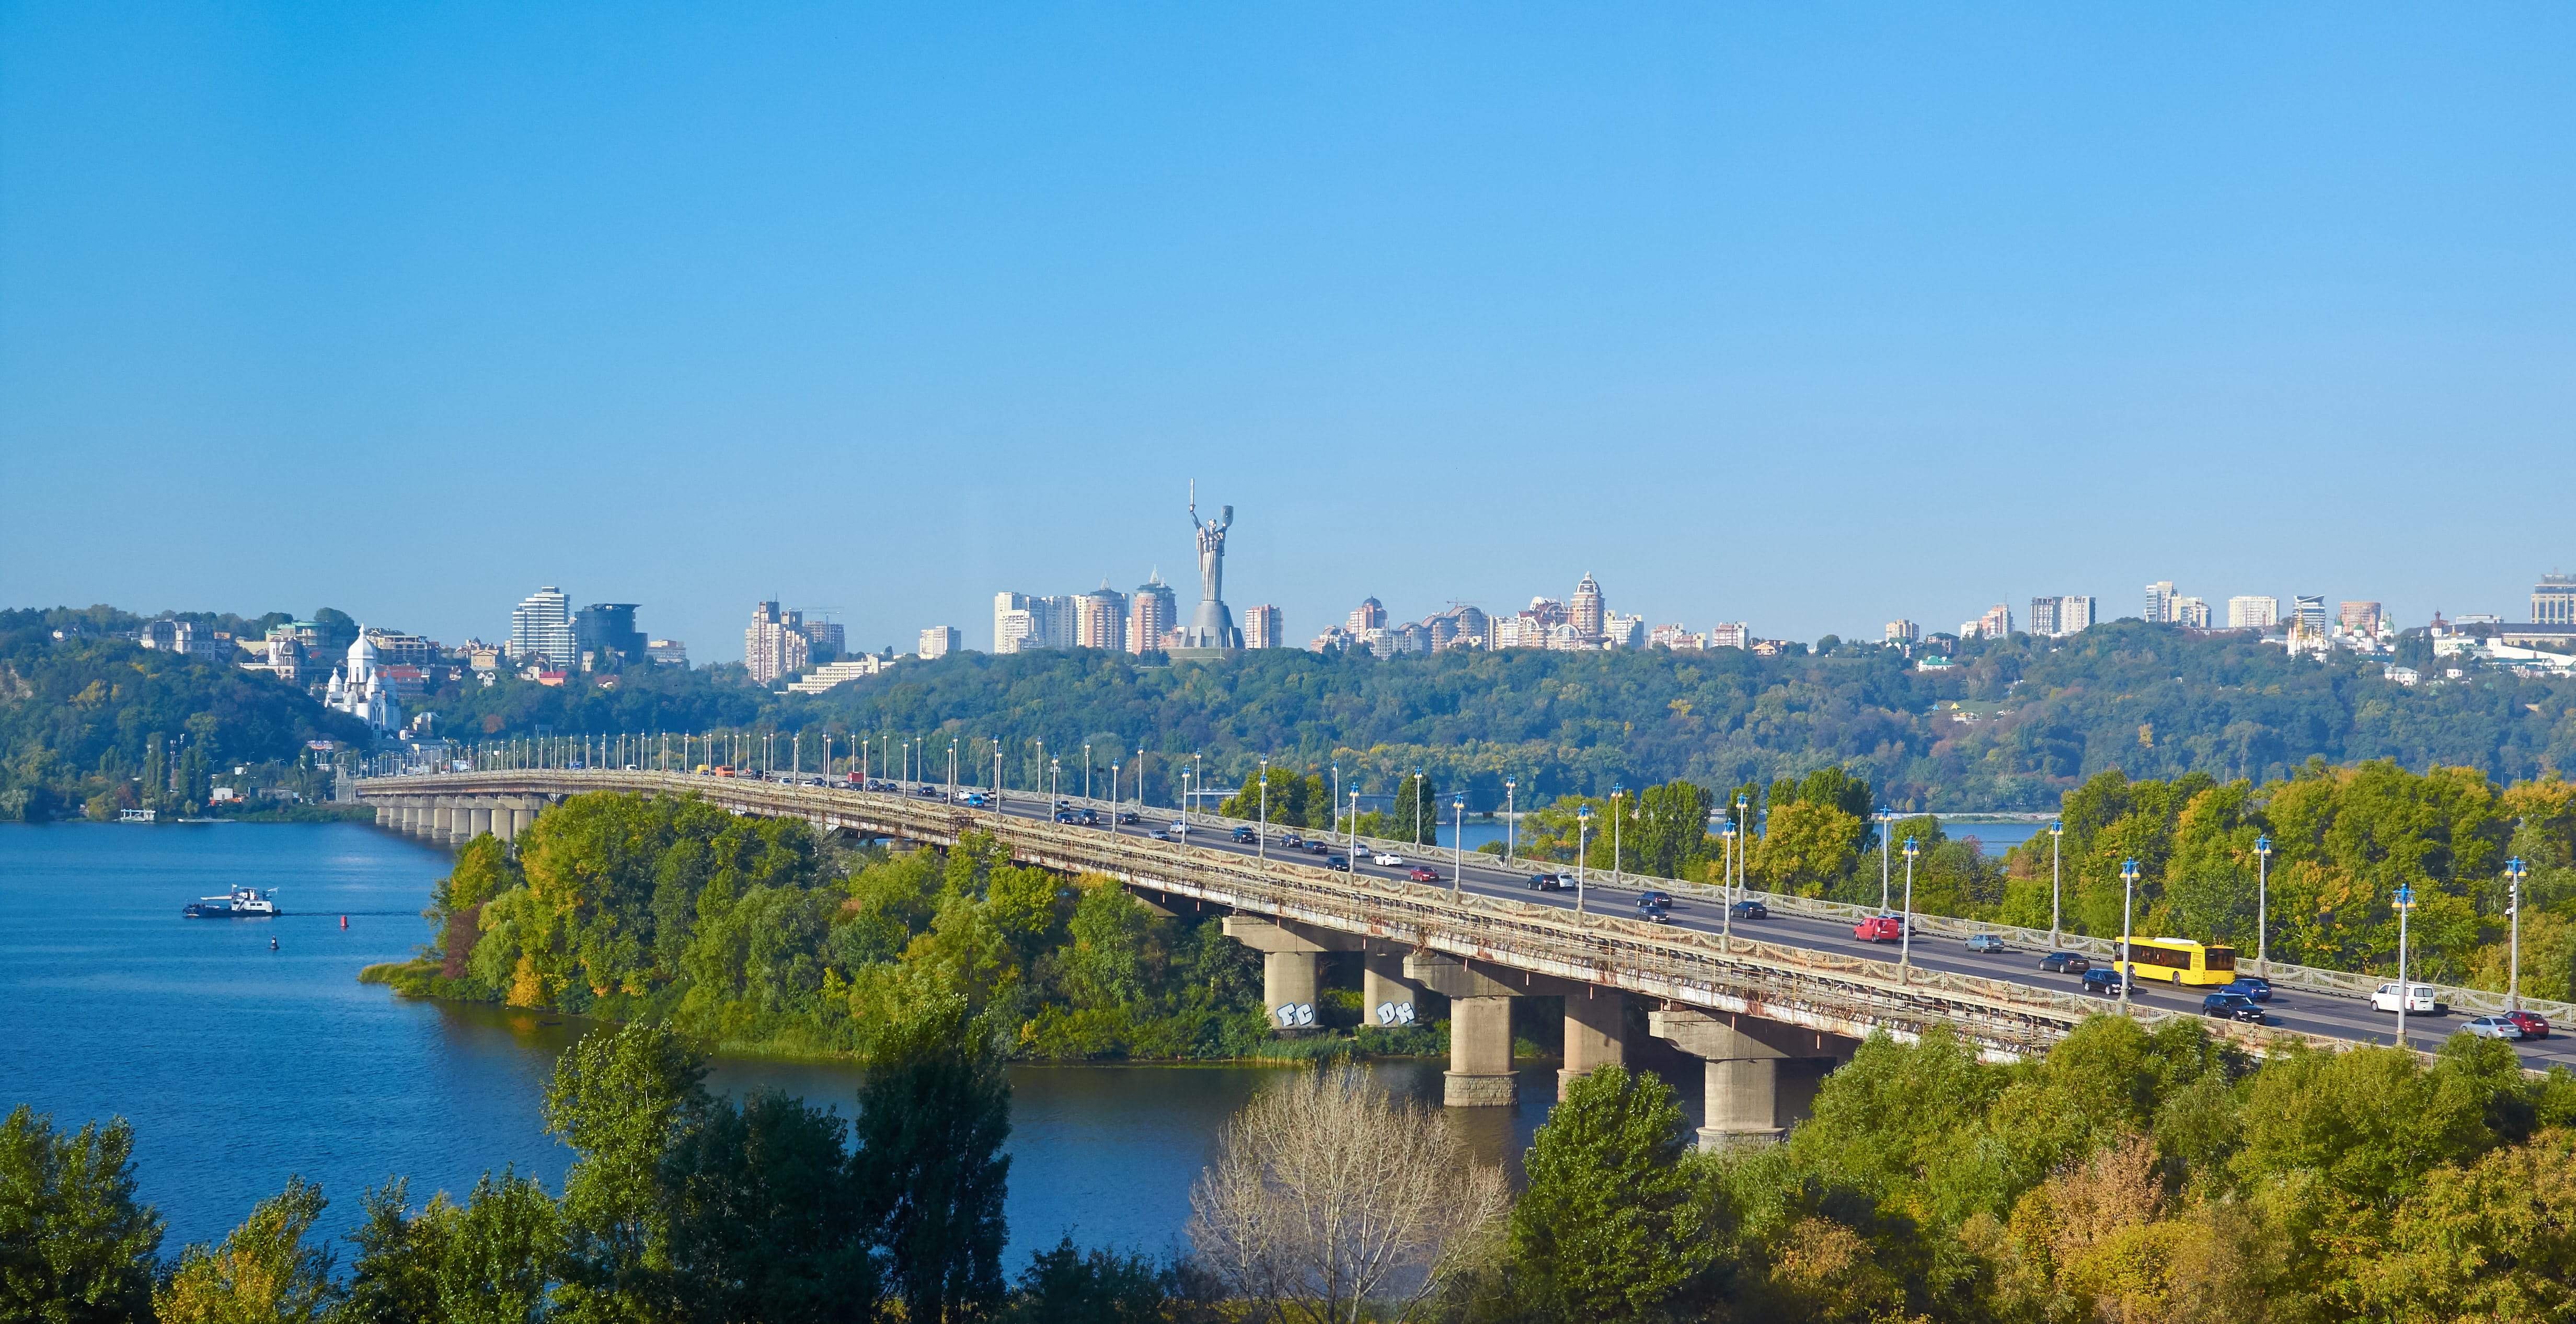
(2419, 998)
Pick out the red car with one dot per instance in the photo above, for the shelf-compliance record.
(1420, 874)
(2532, 1026)
(1880, 928)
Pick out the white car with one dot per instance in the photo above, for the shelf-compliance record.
(2419, 998)
(2493, 1027)
(1387, 857)
(1178, 829)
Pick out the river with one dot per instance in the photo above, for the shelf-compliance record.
(239, 1065)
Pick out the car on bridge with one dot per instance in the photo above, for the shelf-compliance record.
(1420, 874)
(2420, 998)
(2251, 986)
(1318, 848)
(1340, 862)
(1292, 842)
(1880, 928)
(2065, 963)
(1664, 899)
(2493, 1027)
(1178, 828)
(1388, 858)
(1128, 816)
(1985, 942)
(2533, 1027)
(1246, 835)
(1749, 909)
(2231, 1006)
(2107, 982)
(1547, 882)
(1653, 914)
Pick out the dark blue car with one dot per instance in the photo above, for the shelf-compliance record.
(2258, 989)
(2106, 981)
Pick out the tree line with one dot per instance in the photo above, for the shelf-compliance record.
(2130, 1174)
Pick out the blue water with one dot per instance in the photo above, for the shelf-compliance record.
(239, 1065)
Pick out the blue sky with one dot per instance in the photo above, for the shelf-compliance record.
(1807, 316)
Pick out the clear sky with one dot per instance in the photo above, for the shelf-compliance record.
(1808, 316)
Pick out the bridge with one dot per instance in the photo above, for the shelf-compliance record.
(1768, 1015)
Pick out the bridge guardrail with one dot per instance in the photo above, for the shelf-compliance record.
(2299, 978)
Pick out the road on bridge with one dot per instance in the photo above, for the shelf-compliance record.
(1486, 875)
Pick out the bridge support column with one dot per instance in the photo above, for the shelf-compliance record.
(409, 810)
(1382, 984)
(1480, 1028)
(1761, 1075)
(479, 820)
(523, 813)
(1596, 1033)
(384, 815)
(1287, 965)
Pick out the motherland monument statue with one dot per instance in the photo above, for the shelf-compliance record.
(1211, 631)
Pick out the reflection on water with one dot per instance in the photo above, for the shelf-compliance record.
(239, 1065)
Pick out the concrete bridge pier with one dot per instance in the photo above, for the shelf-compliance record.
(1480, 1028)
(1596, 1032)
(479, 819)
(1382, 982)
(1288, 959)
(410, 812)
(523, 811)
(1761, 1075)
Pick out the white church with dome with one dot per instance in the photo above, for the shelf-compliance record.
(360, 689)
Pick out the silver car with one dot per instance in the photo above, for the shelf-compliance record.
(1985, 942)
(2493, 1027)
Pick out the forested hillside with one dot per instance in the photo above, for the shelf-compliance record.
(94, 725)
(2014, 724)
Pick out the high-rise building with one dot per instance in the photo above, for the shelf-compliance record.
(1100, 620)
(1475, 626)
(2160, 597)
(1369, 615)
(1261, 628)
(2253, 612)
(2553, 600)
(1730, 634)
(668, 653)
(2076, 613)
(2191, 612)
(1619, 631)
(939, 641)
(1996, 623)
(823, 641)
(1151, 613)
(606, 632)
(1014, 625)
(1587, 613)
(541, 630)
(2309, 611)
(2043, 616)
(1907, 632)
(775, 645)
(2360, 618)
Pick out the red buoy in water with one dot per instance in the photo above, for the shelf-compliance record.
(344, 921)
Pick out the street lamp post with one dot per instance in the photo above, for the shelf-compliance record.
(1511, 817)
(1458, 846)
(1261, 843)
(2056, 838)
(1582, 828)
(1086, 774)
(1743, 844)
(1113, 799)
(2262, 899)
(2405, 903)
(2513, 914)
(1198, 783)
(1905, 925)
(1354, 847)
(1417, 811)
(1616, 791)
(1886, 820)
(2128, 900)
(1726, 858)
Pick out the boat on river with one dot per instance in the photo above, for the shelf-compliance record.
(239, 903)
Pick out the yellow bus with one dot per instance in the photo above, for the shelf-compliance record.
(2180, 961)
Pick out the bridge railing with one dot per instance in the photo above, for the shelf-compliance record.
(2298, 978)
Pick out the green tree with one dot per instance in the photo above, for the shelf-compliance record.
(74, 1246)
(932, 1118)
(263, 1273)
(622, 1098)
(768, 1222)
(1068, 1285)
(1671, 824)
(1617, 1218)
(1418, 809)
